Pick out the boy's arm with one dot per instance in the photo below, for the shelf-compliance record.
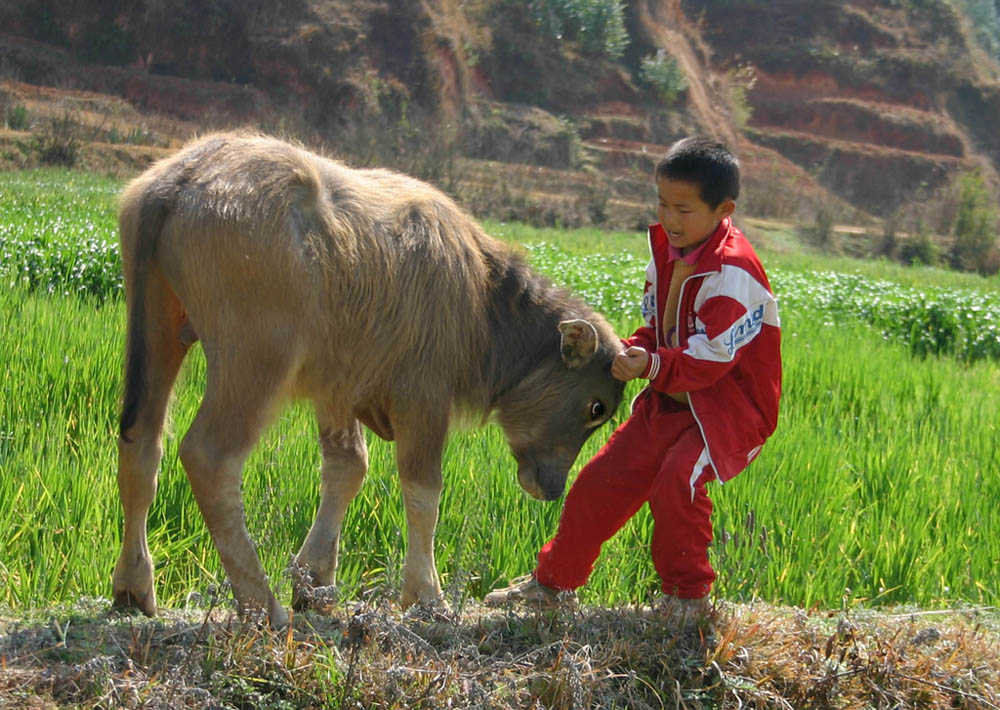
(732, 314)
(644, 337)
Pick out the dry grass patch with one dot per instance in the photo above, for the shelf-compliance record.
(372, 655)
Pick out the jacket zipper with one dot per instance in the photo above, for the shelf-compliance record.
(704, 439)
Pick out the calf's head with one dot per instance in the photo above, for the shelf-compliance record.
(549, 415)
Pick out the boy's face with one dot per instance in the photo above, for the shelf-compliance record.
(686, 218)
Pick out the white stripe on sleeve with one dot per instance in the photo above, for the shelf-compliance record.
(761, 309)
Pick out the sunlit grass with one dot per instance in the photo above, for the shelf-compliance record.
(879, 485)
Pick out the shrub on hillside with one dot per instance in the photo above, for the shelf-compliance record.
(985, 16)
(976, 225)
(664, 74)
(920, 249)
(736, 86)
(599, 25)
(17, 117)
(13, 115)
(821, 234)
(521, 134)
(57, 141)
(887, 244)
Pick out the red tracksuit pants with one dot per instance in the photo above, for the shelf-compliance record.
(656, 456)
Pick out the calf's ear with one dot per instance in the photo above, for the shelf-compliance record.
(579, 342)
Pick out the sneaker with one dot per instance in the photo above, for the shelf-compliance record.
(684, 613)
(529, 591)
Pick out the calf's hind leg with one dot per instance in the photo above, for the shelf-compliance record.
(238, 404)
(345, 462)
(140, 448)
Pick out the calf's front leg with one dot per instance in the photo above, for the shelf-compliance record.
(345, 462)
(418, 458)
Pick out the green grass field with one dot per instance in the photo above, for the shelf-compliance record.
(879, 487)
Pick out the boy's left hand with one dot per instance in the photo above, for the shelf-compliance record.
(630, 363)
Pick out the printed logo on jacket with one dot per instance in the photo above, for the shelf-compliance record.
(745, 330)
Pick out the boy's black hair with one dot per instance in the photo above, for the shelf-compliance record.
(706, 163)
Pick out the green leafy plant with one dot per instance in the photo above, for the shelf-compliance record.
(663, 73)
(58, 141)
(737, 85)
(920, 249)
(975, 224)
(599, 25)
(137, 135)
(17, 117)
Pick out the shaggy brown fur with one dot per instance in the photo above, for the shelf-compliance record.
(365, 291)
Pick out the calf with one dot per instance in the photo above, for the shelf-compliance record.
(365, 291)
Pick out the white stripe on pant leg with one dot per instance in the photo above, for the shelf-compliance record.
(699, 467)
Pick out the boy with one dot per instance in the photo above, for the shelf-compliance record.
(710, 351)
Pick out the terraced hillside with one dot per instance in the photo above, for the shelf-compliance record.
(863, 107)
(883, 102)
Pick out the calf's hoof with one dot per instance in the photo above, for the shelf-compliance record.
(430, 605)
(126, 600)
(319, 599)
(278, 617)
(437, 610)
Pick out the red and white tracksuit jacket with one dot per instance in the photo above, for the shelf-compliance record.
(728, 360)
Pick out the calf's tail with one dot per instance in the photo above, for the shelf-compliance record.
(152, 215)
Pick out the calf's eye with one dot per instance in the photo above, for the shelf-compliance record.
(596, 409)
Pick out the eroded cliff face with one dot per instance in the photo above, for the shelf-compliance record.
(324, 62)
(863, 105)
(874, 100)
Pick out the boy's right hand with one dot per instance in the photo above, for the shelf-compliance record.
(630, 363)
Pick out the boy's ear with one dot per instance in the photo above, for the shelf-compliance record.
(725, 208)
